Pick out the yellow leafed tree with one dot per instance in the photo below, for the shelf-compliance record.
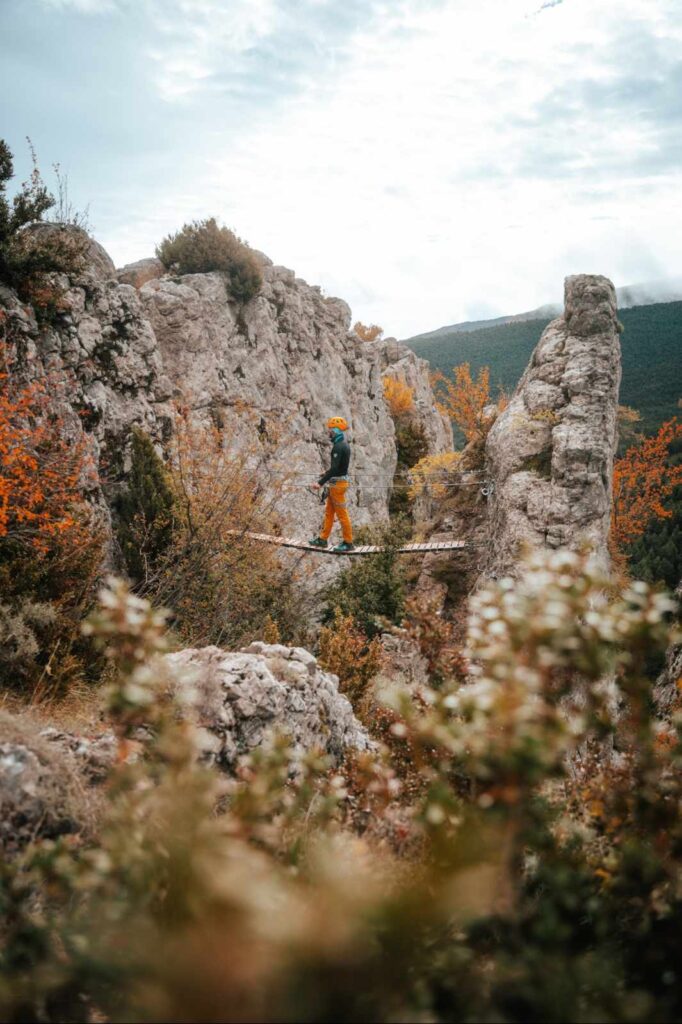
(430, 474)
(463, 399)
(399, 396)
(367, 333)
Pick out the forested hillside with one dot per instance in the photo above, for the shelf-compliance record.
(652, 368)
(657, 554)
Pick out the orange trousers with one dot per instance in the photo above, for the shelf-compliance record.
(336, 507)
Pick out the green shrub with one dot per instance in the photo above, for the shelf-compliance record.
(412, 446)
(146, 510)
(22, 633)
(44, 598)
(372, 588)
(203, 246)
(29, 252)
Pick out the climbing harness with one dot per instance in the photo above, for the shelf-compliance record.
(322, 493)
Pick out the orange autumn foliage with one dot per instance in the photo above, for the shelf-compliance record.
(399, 396)
(366, 333)
(346, 651)
(40, 470)
(463, 399)
(642, 480)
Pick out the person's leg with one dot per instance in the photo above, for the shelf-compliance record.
(337, 494)
(329, 513)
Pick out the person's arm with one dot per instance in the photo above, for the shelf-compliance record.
(333, 469)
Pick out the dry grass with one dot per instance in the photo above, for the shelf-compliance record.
(65, 801)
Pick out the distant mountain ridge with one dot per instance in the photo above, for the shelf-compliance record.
(651, 345)
(645, 294)
(468, 326)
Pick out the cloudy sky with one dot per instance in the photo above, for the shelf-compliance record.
(428, 160)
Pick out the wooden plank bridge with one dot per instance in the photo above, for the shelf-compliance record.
(360, 549)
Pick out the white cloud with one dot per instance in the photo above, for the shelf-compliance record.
(197, 37)
(461, 154)
(83, 6)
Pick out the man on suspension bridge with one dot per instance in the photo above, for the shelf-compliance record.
(337, 479)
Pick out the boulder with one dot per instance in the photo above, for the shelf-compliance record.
(43, 793)
(242, 697)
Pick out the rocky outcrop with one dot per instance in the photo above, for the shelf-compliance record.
(273, 369)
(550, 453)
(51, 780)
(287, 357)
(236, 699)
(243, 697)
(397, 360)
(140, 272)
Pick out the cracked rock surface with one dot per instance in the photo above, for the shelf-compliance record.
(550, 452)
(243, 696)
(129, 345)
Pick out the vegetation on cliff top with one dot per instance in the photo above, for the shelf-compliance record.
(29, 259)
(202, 246)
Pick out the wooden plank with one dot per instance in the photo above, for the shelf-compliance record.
(362, 549)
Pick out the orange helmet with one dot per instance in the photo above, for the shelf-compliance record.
(338, 422)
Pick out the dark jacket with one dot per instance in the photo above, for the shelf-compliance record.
(340, 461)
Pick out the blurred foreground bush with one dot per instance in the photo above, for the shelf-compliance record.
(535, 878)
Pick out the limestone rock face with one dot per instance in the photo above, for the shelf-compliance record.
(397, 360)
(273, 368)
(243, 696)
(550, 453)
(140, 272)
(288, 357)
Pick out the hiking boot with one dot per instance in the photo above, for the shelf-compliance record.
(317, 542)
(344, 546)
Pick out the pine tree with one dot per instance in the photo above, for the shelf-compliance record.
(146, 511)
